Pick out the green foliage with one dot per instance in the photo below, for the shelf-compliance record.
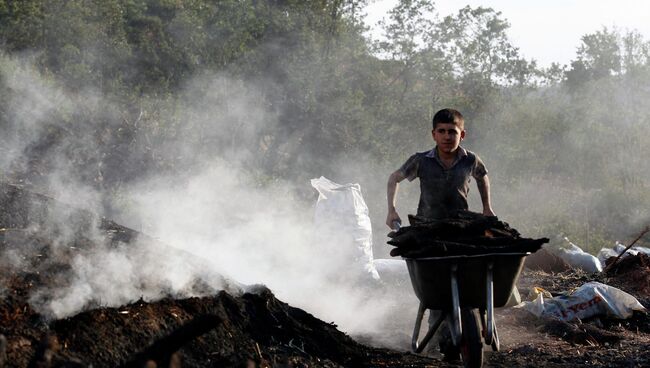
(301, 92)
(475, 42)
(21, 24)
(608, 53)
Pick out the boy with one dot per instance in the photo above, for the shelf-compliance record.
(444, 172)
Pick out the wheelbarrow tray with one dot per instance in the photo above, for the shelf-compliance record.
(431, 279)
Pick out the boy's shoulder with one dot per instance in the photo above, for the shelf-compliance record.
(471, 154)
(417, 156)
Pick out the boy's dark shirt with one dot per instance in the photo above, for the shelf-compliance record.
(443, 191)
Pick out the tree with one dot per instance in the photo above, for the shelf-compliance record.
(21, 24)
(476, 43)
(599, 56)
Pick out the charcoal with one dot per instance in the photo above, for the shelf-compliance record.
(466, 233)
(162, 350)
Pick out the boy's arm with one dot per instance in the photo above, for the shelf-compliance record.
(483, 184)
(391, 195)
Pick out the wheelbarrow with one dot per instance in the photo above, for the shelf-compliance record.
(465, 289)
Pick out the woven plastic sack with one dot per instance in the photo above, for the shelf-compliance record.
(591, 299)
(341, 218)
(575, 257)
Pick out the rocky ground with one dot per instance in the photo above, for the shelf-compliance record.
(239, 326)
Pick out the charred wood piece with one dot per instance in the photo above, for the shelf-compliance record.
(45, 351)
(162, 351)
(465, 234)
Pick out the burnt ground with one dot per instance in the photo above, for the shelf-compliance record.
(528, 341)
(229, 326)
(238, 326)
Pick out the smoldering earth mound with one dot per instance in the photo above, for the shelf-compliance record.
(211, 322)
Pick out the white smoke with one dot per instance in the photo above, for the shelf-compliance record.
(219, 222)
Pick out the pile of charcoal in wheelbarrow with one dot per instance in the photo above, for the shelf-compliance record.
(465, 233)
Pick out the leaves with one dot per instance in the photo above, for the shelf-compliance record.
(292, 89)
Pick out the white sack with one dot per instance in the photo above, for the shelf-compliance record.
(575, 257)
(620, 248)
(606, 253)
(341, 219)
(643, 250)
(591, 299)
(633, 251)
(393, 271)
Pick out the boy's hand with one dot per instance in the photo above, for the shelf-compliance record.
(392, 217)
(488, 212)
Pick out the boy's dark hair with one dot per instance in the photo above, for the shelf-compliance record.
(449, 116)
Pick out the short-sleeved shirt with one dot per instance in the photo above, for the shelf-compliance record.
(443, 190)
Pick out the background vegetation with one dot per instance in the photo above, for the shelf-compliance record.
(296, 90)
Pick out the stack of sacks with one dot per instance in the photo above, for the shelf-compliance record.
(606, 253)
(466, 233)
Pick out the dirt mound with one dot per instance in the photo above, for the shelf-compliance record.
(254, 326)
(633, 272)
(41, 240)
(223, 330)
(543, 260)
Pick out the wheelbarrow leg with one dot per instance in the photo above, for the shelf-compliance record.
(491, 335)
(456, 326)
(489, 325)
(418, 347)
(495, 340)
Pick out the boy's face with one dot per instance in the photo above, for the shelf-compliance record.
(448, 136)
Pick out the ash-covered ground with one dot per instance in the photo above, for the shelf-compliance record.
(48, 318)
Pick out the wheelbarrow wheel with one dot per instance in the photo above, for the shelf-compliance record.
(471, 343)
